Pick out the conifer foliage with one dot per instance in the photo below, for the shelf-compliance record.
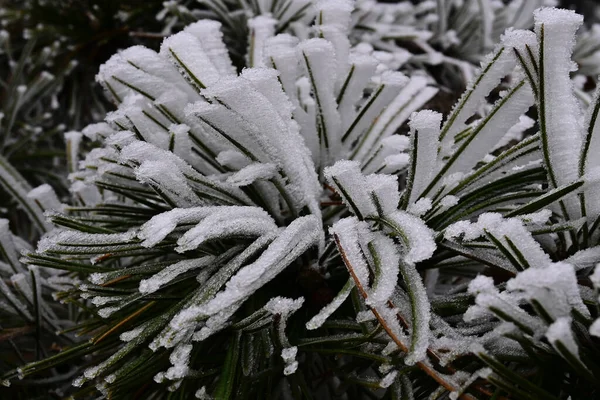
(304, 228)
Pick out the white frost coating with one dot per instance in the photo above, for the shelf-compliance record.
(488, 296)
(273, 135)
(108, 311)
(182, 325)
(151, 62)
(560, 114)
(103, 300)
(425, 132)
(387, 380)
(351, 185)
(514, 230)
(299, 236)
(138, 152)
(289, 358)
(336, 35)
(390, 348)
(97, 131)
(289, 354)
(180, 358)
(347, 232)
(91, 372)
(420, 207)
(395, 163)
(411, 97)
(384, 191)
(421, 314)
(305, 112)
(363, 68)
(168, 178)
(482, 373)
(448, 201)
(122, 138)
(123, 78)
(595, 328)
(515, 133)
(290, 368)
(159, 226)
(211, 38)
(365, 316)
(390, 316)
(538, 218)
(495, 66)
(132, 111)
(387, 266)
(318, 320)
(283, 306)
(396, 143)
(335, 12)
(590, 160)
(501, 229)
(232, 159)
(186, 53)
(469, 230)
(554, 287)
(201, 394)
(214, 323)
(317, 58)
(216, 119)
(418, 237)
(227, 221)
(261, 28)
(251, 173)
(86, 194)
(171, 272)
(490, 130)
(595, 277)
(61, 240)
(132, 334)
(180, 134)
(481, 284)
(266, 81)
(129, 115)
(560, 331)
(280, 53)
(389, 88)
(79, 381)
(45, 196)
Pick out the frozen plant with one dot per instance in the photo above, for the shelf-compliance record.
(49, 53)
(274, 231)
(211, 184)
(47, 87)
(423, 35)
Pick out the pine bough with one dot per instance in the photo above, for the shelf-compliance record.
(224, 217)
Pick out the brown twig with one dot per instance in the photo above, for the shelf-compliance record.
(423, 366)
(119, 279)
(148, 35)
(331, 189)
(331, 203)
(11, 333)
(124, 321)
